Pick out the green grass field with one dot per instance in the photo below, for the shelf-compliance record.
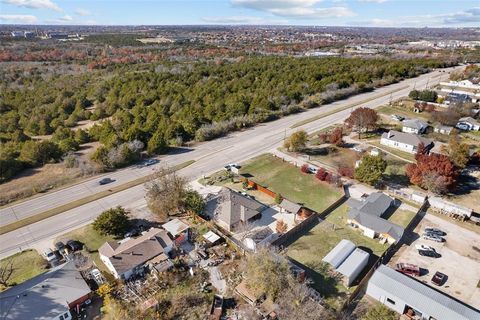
(286, 179)
(402, 217)
(26, 265)
(310, 248)
(91, 239)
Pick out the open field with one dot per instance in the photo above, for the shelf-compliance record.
(334, 156)
(26, 265)
(286, 179)
(91, 239)
(460, 259)
(310, 248)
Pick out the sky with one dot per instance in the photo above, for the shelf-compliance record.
(375, 13)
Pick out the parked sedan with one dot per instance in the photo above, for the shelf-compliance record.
(439, 278)
(429, 253)
(432, 237)
(424, 247)
(435, 231)
(49, 255)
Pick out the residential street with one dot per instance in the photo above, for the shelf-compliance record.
(209, 157)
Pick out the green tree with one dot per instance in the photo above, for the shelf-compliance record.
(370, 169)
(278, 198)
(380, 312)
(39, 153)
(156, 144)
(113, 221)
(457, 151)
(297, 141)
(194, 202)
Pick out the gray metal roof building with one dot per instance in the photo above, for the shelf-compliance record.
(402, 293)
(353, 265)
(338, 254)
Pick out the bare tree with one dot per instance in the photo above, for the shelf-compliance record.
(6, 272)
(166, 193)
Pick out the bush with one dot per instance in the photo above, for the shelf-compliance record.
(346, 172)
(321, 173)
(278, 198)
(113, 221)
(328, 177)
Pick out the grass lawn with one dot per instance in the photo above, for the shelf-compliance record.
(401, 217)
(26, 265)
(286, 179)
(310, 248)
(91, 240)
(334, 156)
(404, 111)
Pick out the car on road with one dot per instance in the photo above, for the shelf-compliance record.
(432, 237)
(435, 231)
(429, 253)
(408, 269)
(396, 117)
(49, 255)
(74, 245)
(150, 162)
(105, 181)
(439, 278)
(229, 166)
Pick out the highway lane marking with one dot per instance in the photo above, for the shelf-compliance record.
(212, 153)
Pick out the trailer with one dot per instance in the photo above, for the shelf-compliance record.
(217, 308)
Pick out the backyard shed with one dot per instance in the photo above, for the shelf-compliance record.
(353, 266)
(338, 254)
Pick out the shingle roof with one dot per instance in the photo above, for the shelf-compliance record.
(46, 296)
(407, 138)
(234, 207)
(135, 252)
(290, 206)
(421, 296)
(338, 254)
(469, 120)
(377, 224)
(377, 203)
(415, 124)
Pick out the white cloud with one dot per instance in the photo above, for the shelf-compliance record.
(18, 18)
(66, 18)
(298, 9)
(455, 18)
(82, 12)
(34, 4)
(242, 20)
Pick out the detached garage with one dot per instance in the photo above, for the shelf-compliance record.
(338, 254)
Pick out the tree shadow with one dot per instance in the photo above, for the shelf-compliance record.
(178, 150)
(466, 185)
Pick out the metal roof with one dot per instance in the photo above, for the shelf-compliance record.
(175, 226)
(290, 206)
(211, 237)
(45, 296)
(421, 296)
(350, 266)
(338, 254)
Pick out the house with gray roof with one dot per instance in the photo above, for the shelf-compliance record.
(468, 123)
(443, 129)
(233, 209)
(132, 255)
(404, 141)
(367, 215)
(50, 295)
(414, 126)
(408, 296)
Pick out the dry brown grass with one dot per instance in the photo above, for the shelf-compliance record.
(33, 181)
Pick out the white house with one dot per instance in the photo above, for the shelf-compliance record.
(414, 126)
(443, 129)
(468, 123)
(132, 255)
(404, 141)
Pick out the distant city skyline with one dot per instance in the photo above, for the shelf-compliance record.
(371, 13)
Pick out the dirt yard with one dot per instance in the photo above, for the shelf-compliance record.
(460, 259)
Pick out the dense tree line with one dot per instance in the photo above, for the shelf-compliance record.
(162, 105)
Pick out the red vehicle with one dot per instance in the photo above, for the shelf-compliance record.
(439, 278)
(408, 269)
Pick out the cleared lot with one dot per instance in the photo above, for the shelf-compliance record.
(460, 259)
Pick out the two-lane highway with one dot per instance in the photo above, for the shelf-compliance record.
(209, 157)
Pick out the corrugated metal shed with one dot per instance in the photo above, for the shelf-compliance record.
(420, 296)
(338, 254)
(353, 265)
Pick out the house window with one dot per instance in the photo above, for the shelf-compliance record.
(390, 301)
(66, 315)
